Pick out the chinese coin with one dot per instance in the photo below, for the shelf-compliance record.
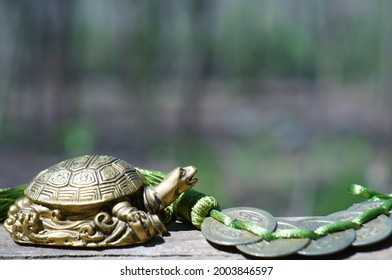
(371, 232)
(218, 233)
(366, 205)
(278, 247)
(331, 243)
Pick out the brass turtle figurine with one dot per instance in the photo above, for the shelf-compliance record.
(94, 201)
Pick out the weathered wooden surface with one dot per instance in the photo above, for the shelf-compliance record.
(184, 242)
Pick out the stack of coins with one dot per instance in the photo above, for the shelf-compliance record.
(248, 243)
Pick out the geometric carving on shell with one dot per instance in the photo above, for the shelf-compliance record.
(59, 178)
(109, 174)
(85, 180)
(89, 194)
(44, 175)
(49, 193)
(100, 160)
(68, 195)
(78, 163)
(126, 186)
(123, 166)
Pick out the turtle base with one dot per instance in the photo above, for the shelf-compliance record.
(30, 223)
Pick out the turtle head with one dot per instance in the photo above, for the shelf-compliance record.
(176, 182)
(180, 180)
(184, 177)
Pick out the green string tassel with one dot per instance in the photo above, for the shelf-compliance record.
(7, 198)
(193, 207)
(368, 193)
(153, 177)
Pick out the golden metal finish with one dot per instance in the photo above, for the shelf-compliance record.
(94, 201)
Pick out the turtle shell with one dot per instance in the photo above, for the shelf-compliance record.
(90, 180)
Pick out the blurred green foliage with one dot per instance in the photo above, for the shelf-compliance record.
(76, 138)
(281, 105)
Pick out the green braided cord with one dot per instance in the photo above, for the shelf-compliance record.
(294, 233)
(260, 231)
(334, 227)
(387, 205)
(321, 231)
(251, 227)
(202, 209)
(153, 177)
(224, 219)
(5, 204)
(368, 193)
(7, 198)
(193, 206)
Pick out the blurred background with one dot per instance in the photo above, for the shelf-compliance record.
(281, 105)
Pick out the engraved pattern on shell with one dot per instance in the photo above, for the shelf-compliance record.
(59, 178)
(85, 180)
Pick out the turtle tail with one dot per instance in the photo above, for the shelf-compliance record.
(8, 197)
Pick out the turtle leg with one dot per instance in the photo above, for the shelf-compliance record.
(23, 219)
(21, 211)
(142, 226)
